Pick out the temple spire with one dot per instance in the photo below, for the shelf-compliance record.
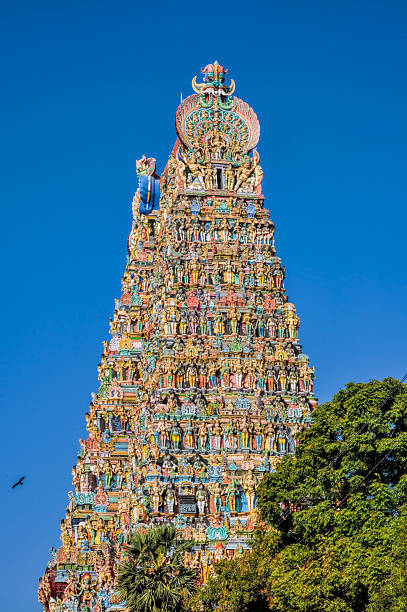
(203, 385)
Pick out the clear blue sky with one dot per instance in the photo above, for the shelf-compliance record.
(87, 88)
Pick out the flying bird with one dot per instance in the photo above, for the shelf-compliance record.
(19, 482)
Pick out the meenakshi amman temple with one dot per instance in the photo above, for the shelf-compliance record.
(203, 382)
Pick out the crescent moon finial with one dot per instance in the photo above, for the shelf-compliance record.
(195, 86)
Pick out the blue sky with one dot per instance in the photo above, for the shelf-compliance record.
(87, 88)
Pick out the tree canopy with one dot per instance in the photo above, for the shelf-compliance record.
(335, 536)
(153, 577)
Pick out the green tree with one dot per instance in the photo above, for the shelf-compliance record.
(235, 587)
(335, 536)
(153, 577)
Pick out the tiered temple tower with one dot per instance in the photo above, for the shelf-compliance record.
(203, 384)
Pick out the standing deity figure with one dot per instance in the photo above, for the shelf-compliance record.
(258, 435)
(212, 372)
(179, 377)
(271, 327)
(99, 526)
(216, 435)
(224, 230)
(281, 440)
(283, 379)
(201, 499)
(260, 274)
(293, 323)
(228, 274)
(66, 537)
(189, 436)
(260, 379)
(229, 436)
(231, 494)
(218, 324)
(270, 378)
(108, 472)
(229, 178)
(245, 433)
(172, 321)
(183, 323)
(209, 324)
(249, 485)
(192, 376)
(203, 324)
(260, 326)
(209, 177)
(155, 496)
(306, 378)
(216, 490)
(202, 435)
(206, 564)
(278, 276)
(193, 323)
(247, 324)
(176, 434)
(293, 380)
(233, 320)
(250, 376)
(225, 375)
(202, 376)
(194, 272)
(238, 375)
(170, 369)
(163, 434)
(170, 498)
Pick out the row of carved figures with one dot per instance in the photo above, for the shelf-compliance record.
(194, 230)
(234, 322)
(174, 321)
(234, 434)
(202, 298)
(194, 273)
(171, 375)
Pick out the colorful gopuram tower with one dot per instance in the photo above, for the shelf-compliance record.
(203, 383)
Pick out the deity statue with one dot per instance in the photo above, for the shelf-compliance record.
(170, 498)
(202, 435)
(155, 496)
(249, 485)
(201, 500)
(176, 435)
(216, 496)
(216, 435)
(231, 494)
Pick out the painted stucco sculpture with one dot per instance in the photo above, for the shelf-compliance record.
(203, 383)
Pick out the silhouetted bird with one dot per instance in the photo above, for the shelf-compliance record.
(19, 482)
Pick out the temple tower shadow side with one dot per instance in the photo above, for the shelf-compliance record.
(203, 383)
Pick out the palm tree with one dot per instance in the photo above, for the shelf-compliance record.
(153, 578)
